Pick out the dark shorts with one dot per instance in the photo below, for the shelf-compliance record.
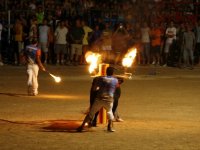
(60, 48)
(155, 49)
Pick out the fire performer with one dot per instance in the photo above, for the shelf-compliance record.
(93, 93)
(104, 98)
(32, 56)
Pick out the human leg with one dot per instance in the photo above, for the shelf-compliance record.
(108, 106)
(30, 79)
(191, 56)
(94, 108)
(35, 79)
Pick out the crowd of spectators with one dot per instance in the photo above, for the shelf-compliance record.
(165, 33)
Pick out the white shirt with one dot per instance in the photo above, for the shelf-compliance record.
(61, 35)
(171, 31)
(1, 28)
(43, 33)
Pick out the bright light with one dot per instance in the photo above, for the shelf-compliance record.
(128, 59)
(57, 79)
(93, 59)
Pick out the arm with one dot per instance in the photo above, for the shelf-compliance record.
(38, 60)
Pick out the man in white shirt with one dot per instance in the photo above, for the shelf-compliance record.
(171, 36)
(188, 47)
(43, 39)
(1, 28)
(61, 42)
(145, 39)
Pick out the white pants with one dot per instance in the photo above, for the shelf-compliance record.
(32, 71)
(167, 47)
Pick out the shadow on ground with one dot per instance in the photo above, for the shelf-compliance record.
(49, 125)
(62, 126)
(13, 94)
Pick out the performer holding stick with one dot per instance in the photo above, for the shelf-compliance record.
(104, 98)
(93, 94)
(32, 56)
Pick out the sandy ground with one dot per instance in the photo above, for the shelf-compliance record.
(161, 111)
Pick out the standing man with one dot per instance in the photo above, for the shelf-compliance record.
(145, 43)
(76, 35)
(188, 47)
(104, 98)
(61, 42)
(33, 31)
(43, 39)
(171, 36)
(33, 54)
(156, 43)
(87, 31)
(1, 61)
(19, 45)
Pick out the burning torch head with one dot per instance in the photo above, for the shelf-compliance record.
(57, 79)
(129, 58)
(93, 59)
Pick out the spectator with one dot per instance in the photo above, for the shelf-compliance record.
(51, 45)
(170, 37)
(156, 43)
(145, 43)
(18, 31)
(33, 32)
(130, 30)
(180, 44)
(95, 38)
(32, 5)
(60, 42)
(188, 48)
(40, 15)
(137, 42)
(87, 31)
(76, 35)
(43, 39)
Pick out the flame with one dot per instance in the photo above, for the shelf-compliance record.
(57, 79)
(128, 59)
(93, 59)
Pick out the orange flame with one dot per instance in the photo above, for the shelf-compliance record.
(128, 59)
(93, 59)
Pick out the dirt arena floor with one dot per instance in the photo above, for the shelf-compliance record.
(160, 106)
